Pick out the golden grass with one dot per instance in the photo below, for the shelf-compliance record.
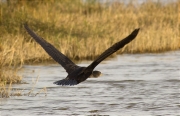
(6, 90)
(8, 75)
(82, 30)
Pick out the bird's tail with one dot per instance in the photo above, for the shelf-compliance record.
(66, 82)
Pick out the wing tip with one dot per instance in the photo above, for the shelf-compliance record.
(134, 34)
(136, 30)
(25, 25)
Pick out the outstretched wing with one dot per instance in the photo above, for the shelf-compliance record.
(113, 49)
(65, 62)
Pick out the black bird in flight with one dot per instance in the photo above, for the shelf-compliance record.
(78, 74)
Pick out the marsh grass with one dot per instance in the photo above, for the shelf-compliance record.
(85, 30)
(82, 30)
(9, 76)
(6, 90)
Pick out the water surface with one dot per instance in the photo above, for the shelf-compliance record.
(131, 85)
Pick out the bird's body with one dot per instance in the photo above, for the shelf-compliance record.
(77, 74)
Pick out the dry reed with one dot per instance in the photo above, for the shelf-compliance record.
(83, 31)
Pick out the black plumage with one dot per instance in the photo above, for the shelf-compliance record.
(77, 74)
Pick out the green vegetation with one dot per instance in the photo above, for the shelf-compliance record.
(81, 30)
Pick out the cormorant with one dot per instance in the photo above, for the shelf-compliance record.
(78, 74)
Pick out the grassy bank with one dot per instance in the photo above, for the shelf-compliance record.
(83, 30)
(8, 75)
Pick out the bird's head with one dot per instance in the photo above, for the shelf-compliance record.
(95, 74)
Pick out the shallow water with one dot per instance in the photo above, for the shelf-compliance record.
(131, 85)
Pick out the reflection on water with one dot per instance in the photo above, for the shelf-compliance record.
(136, 84)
